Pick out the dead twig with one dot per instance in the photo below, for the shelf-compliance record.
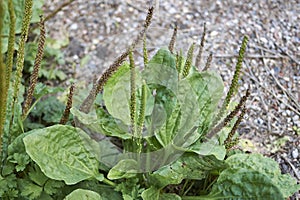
(293, 167)
(287, 54)
(254, 56)
(57, 10)
(270, 92)
(261, 99)
(283, 89)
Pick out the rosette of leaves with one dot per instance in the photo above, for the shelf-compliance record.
(178, 113)
(159, 139)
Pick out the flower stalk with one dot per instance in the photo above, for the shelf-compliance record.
(145, 52)
(3, 84)
(199, 55)
(21, 52)
(230, 142)
(11, 42)
(230, 116)
(188, 62)
(66, 113)
(208, 62)
(132, 94)
(234, 82)
(141, 116)
(36, 68)
(173, 39)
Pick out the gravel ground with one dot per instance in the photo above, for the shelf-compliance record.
(100, 30)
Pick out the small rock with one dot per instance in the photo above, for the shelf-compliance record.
(264, 40)
(282, 106)
(74, 26)
(214, 33)
(295, 153)
(172, 10)
(259, 121)
(295, 118)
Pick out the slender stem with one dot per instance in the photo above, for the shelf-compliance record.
(11, 42)
(183, 187)
(234, 83)
(109, 182)
(198, 58)
(21, 53)
(208, 62)
(141, 117)
(179, 61)
(132, 95)
(189, 188)
(145, 52)
(58, 9)
(2, 82)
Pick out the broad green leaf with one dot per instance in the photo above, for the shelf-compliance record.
(163, 57)
(188, 125)
(168, 196)
(110, 154)
(188, 166)
(151, 193)
(127, 168)
(102, 123)
(252, 176)
(244, 183)
(111, 126)
(170, 128)
(256, 162)
(211, 147)
(64, 153)
(107, 192)
(116, 93)
(127, 197)
(209, 88)
(165, 103)
(180, 128)
(161, 70)
(83, 195)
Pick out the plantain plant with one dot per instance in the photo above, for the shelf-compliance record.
(150, 133)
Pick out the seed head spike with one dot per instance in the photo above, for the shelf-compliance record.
(198, 58)
(173, 39)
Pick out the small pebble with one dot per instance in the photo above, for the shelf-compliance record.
(295, 118)
(74, 26)
(295, 153)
